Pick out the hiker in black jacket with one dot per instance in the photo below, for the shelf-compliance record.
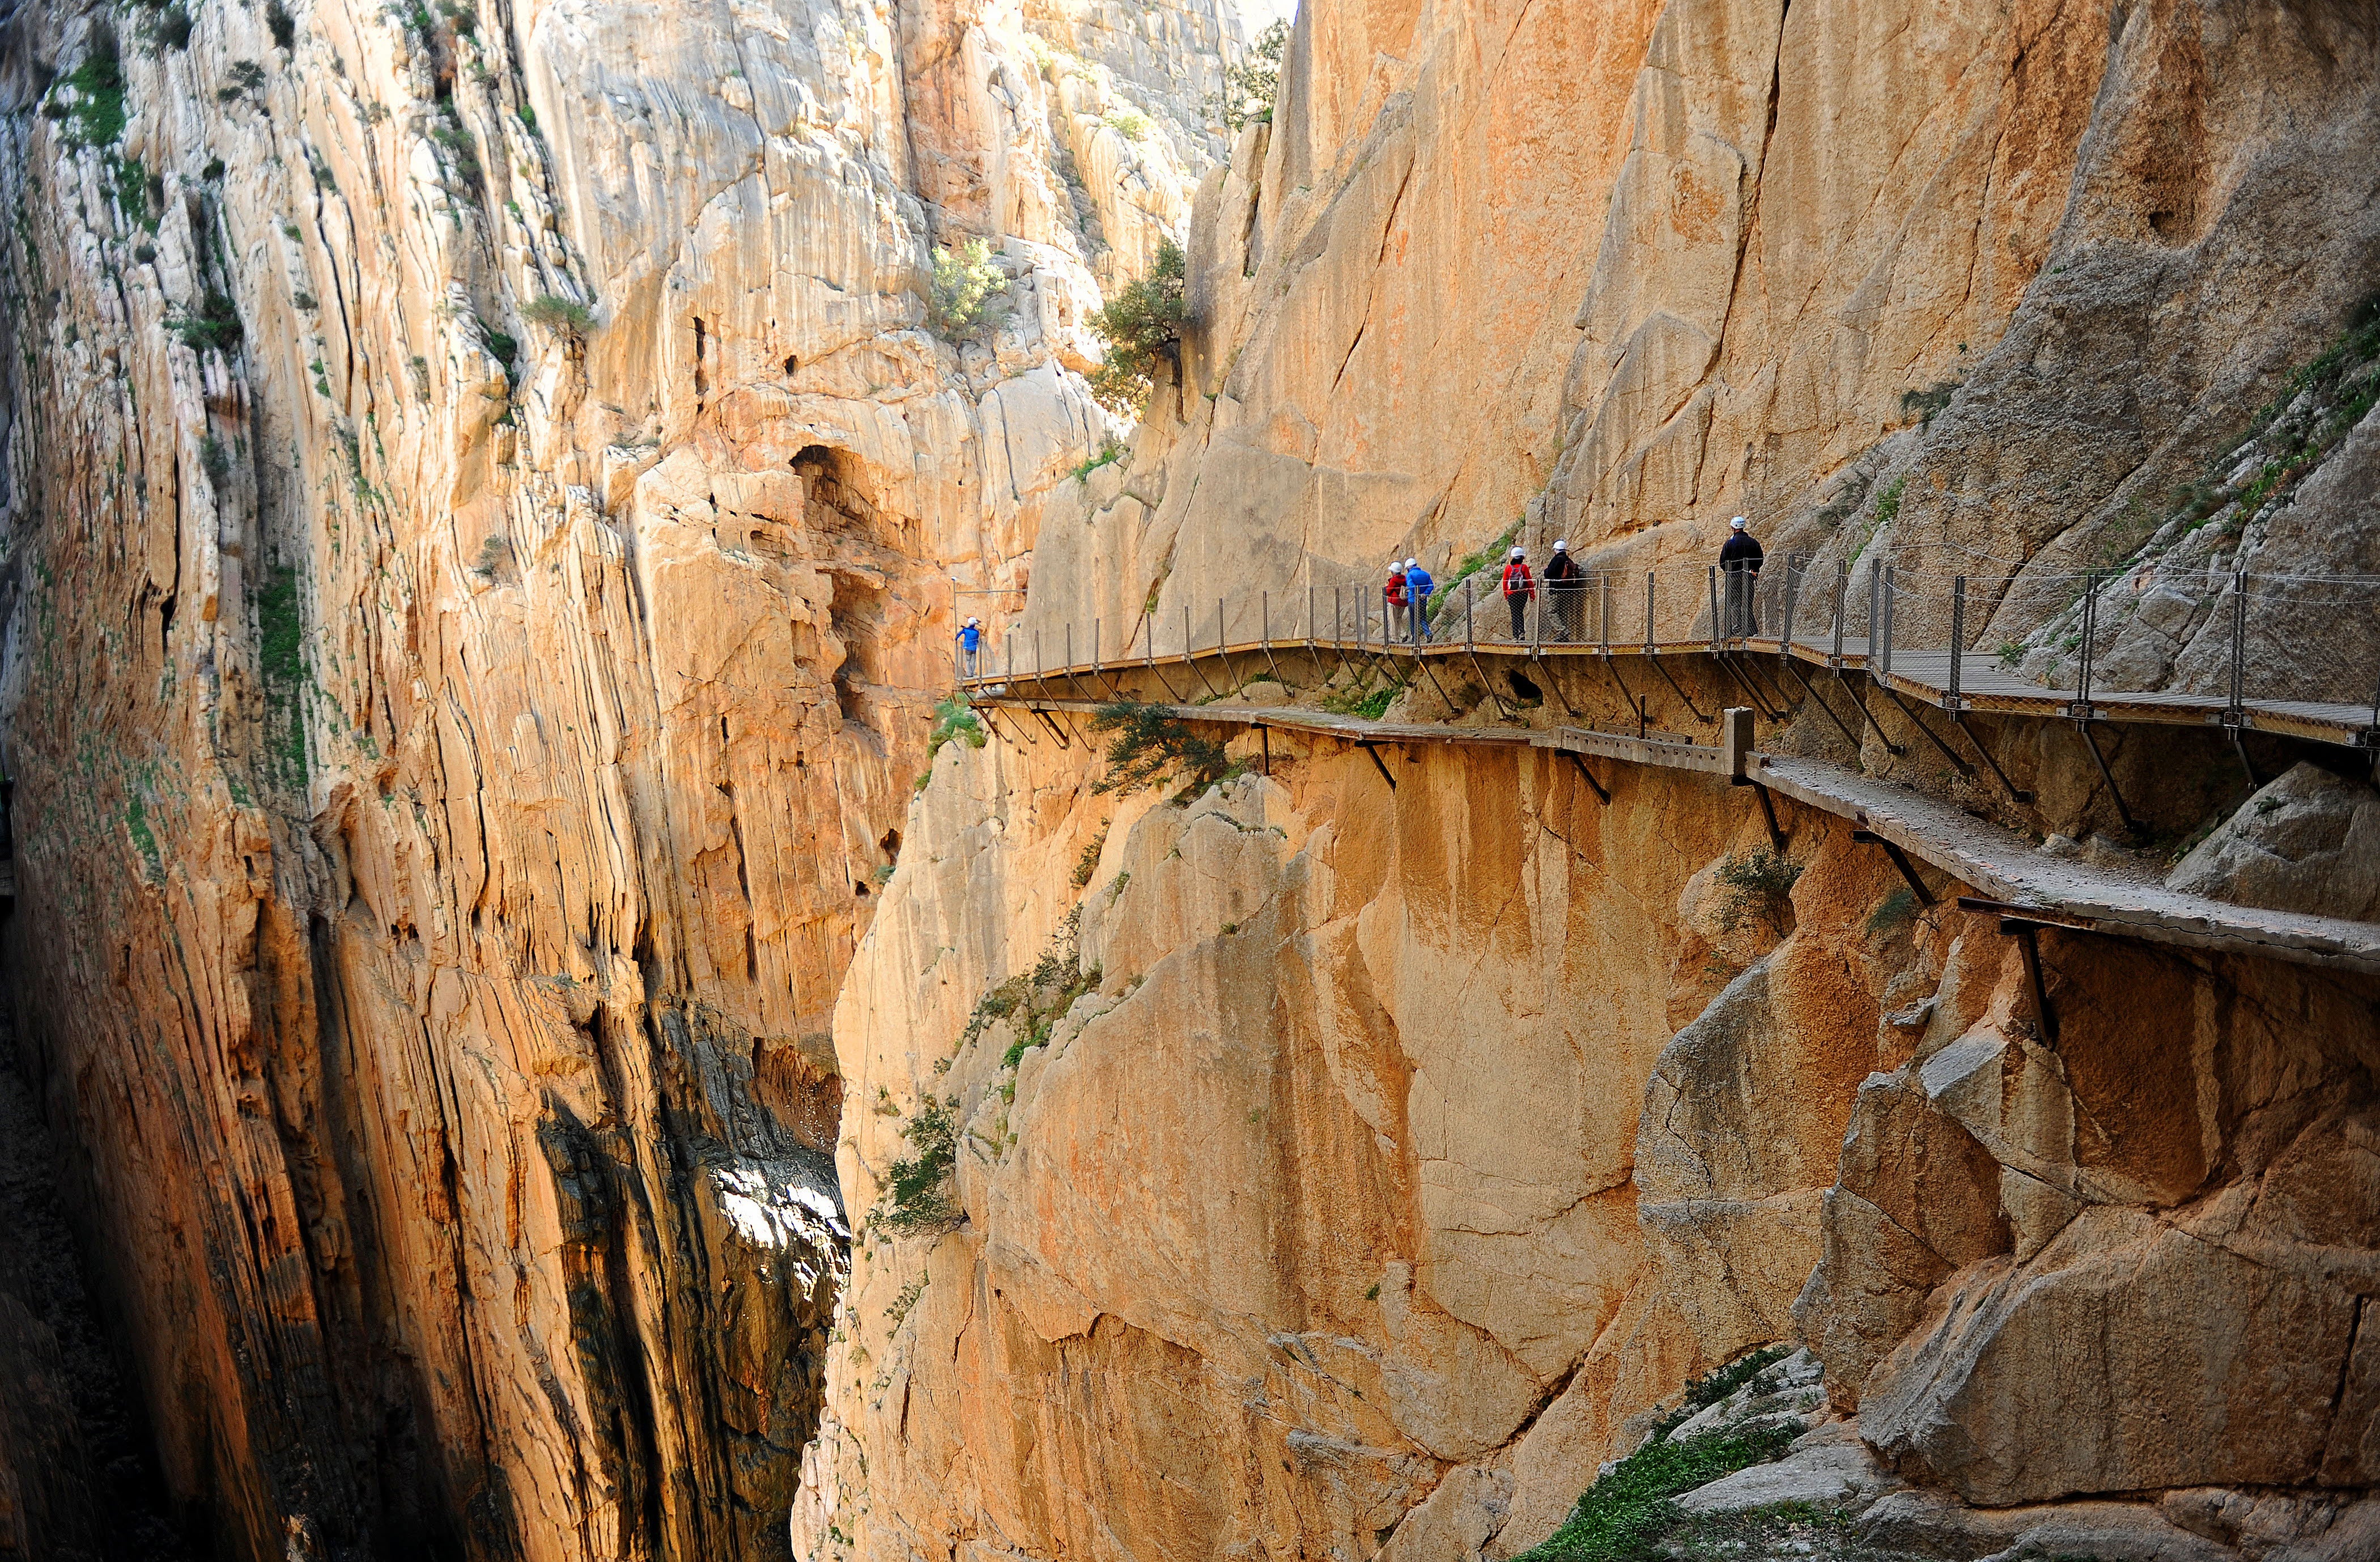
(1564, 580)
(1739, 561)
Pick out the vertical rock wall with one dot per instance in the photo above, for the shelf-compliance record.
(1406, 1146)
(481, 497)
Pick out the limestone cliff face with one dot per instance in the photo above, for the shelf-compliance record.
(480, 497)
(1405, 1147)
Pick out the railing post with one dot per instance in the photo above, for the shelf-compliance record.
(1648, 613)
(1874, 604)
(1892, 582)
(1603, 607)
(1309, 614)
(1467, 597)
(1264, 618)
(1094, 644)
(2090, 623)
(1039, 681)
(1219, 630)
(2237, 716)
(1711, 573)
(1792, 596)
(1534, 604)
(1843, 596)
(1957, 632)
(1185, 632)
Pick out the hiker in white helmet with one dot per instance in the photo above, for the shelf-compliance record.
(1739, 561)
(1418, 585)
(1564, 580)
(1519, 586)
(971, 641)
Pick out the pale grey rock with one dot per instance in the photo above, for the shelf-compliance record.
(1830, 1467)
(2309, 841)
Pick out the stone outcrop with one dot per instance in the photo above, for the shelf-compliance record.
(485, 491)
(483, 488)
(1304, 1182)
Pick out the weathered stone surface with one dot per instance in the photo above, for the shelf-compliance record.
(2308, 841)
(2225, 1337)
(1829, 1468)
(482, 498)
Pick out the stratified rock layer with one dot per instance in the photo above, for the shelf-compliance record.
(481, 490)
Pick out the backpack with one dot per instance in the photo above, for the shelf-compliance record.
(1396, 587)
(1516, 579)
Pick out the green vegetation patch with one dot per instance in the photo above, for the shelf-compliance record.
(214, 323)
(918, 1198)
(1251, 84)
(1151, 745)
(1759, 885)
(1141, 327)
(556, 313)
(1624, 1515)
(281, 659)
(97, 115)
(964, 297)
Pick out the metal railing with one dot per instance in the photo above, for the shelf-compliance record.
(2074, 642)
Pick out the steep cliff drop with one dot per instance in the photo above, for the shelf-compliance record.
(1350, 1150)
(482, 489)
(566, 1042)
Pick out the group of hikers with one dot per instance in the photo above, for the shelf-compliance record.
(1410, 587)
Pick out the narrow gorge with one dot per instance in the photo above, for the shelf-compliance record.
(554, 1014)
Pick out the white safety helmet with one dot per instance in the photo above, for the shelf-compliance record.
(973, 622)
(1736, 525)
(1561, 547)
(1412, 564)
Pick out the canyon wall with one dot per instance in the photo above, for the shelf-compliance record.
(483, 489)
(1347, 1166)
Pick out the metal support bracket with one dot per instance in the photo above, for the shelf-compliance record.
(1899, 861)
(2022, 923)
(1055, 730)
(1745, 684)
(1889, 746)
(1768, 808)
(1373, 754)
(2132, 825)
(1931, 737)
(1959, 720)
(1680, 693)
(1588, 776)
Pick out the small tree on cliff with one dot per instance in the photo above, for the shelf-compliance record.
(1141, 327)
(1250, 86)
(1151, 745)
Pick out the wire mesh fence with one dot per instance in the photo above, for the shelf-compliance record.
(2144, 636)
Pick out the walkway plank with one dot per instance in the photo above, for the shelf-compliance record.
(1980, 854)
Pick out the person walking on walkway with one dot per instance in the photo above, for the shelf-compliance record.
(1394, 594)
(1739, 561)
(971, 641)
(1418, 585)
(1519, 587)
(1564, 580)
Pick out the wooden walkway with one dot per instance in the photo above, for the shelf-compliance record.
(1982, 684)
(2002, 866)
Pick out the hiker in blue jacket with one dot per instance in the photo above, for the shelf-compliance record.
(1418, 585)
(971, 641)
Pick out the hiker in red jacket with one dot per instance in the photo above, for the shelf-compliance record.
(1394, 593)
(1519, 587)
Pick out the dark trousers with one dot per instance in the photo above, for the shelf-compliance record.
(1742, 619)
(1519, 602)
(1561, 612)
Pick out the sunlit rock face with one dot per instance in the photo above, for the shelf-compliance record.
(1389, 1155)
(483, 492)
